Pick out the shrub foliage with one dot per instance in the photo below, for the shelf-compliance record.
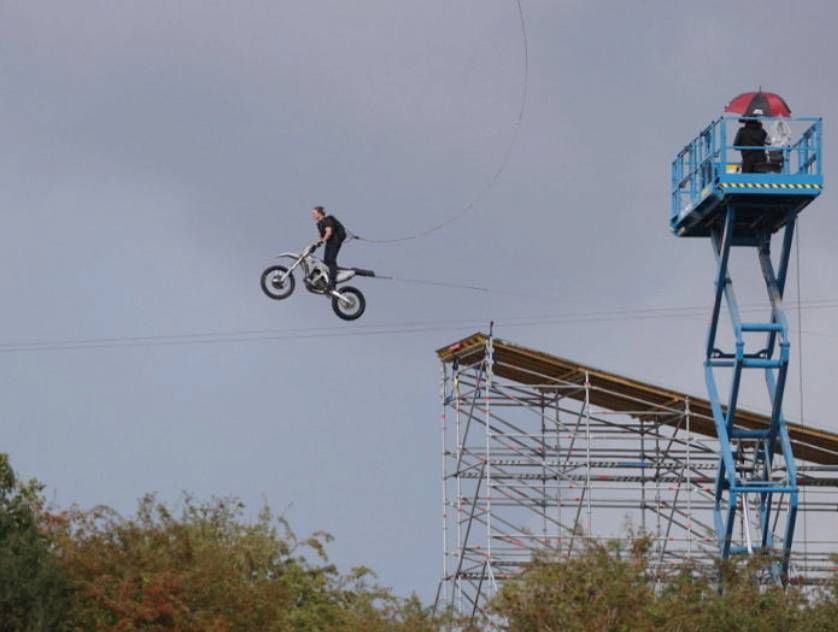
(205, 567)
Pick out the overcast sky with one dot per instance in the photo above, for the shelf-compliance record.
(156, 154)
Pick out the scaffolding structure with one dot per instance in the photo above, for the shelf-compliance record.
(541, 454)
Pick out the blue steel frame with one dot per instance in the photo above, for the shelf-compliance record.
(744, 210)
(734, 483)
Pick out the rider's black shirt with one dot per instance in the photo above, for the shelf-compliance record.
(338, 232)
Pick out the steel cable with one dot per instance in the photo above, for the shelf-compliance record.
(504, 160)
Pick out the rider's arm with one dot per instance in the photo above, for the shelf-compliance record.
(327, 235)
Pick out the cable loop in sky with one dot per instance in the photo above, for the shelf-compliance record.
(504, 160)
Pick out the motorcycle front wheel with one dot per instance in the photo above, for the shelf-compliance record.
(351, 305)
(274, 285)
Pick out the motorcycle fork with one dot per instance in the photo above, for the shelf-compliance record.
(294, 265)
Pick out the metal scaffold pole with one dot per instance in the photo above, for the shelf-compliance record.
(443, 389)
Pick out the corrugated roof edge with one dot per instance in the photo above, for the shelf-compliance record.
(474, 344)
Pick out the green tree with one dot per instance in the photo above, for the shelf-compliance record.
(733, 597)
(34, 592)
(603, 588)
(606, 588)
(205, 568)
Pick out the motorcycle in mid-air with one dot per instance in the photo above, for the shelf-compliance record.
(278, 282)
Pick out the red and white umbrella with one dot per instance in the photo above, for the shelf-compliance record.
(767, 103)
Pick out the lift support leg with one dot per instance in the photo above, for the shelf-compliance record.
(747, 478)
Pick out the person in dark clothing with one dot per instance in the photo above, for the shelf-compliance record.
(332, 234)
(752, 134)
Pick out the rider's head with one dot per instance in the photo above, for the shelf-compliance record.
(318, 213)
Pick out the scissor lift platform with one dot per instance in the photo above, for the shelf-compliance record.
(706, 180)
(712, 198)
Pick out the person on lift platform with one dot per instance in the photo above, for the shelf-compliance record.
(752, 135)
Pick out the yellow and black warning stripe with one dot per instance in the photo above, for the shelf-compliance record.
(767, 185)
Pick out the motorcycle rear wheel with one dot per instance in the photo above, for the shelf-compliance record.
(351, 306)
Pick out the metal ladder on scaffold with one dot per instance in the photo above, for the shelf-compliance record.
(713, 198)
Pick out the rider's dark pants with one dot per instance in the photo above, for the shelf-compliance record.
(330, 258)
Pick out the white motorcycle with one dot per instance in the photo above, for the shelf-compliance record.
(278, 282)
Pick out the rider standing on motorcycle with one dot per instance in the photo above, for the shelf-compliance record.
(332, 233)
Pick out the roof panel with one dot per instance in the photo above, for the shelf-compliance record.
(623, 394)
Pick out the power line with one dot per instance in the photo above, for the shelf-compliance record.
(358, 330)
(504, 160)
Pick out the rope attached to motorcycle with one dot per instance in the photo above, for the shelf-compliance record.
(456, 286)
(504, 160)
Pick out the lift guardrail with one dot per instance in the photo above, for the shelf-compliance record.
(710, 166)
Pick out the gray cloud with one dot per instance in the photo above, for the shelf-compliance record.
(156, 154)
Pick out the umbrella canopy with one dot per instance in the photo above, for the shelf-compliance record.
(748, 102)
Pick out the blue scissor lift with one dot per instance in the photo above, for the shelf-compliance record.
(711, 198)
